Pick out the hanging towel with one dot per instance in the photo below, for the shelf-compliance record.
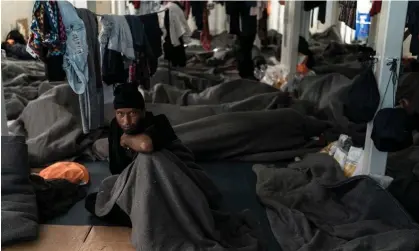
(179, 27)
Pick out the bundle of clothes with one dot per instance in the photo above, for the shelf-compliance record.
(127, 48)
(131, 44)
(65, 39)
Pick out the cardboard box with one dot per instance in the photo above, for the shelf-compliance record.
(78, 238)
(108, 239)
(53, 238)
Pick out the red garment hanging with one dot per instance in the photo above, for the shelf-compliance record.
(136, 4)
(187, 8)
(376, 7)
(205, 34)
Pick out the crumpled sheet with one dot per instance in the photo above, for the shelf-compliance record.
(312, 206)
(173, 205)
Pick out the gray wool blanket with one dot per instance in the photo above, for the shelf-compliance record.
(172, 204)
(19, 211)
(312, 206)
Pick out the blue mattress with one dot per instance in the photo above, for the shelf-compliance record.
(236, 181)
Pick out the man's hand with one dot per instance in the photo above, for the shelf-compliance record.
(138, 143)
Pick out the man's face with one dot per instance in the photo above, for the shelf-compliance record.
(128, 118)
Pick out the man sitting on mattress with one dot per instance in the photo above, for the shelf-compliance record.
(134, 129)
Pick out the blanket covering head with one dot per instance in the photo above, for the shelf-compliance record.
(128, 96)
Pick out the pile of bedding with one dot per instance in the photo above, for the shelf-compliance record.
(311, 205)
(45, 113)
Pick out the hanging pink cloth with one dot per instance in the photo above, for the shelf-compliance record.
(205, 34)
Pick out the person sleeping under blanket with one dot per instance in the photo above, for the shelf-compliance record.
(15, 46)
(132, 130)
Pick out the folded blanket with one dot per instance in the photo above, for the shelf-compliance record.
(19, 212)
(312, 206)
(171, 203)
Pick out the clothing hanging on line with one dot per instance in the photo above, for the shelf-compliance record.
(413, 26)
(176, 55)
(205, 36)
(136, 4)
(64, 37)
(198, 13)
(241, 11)
(147, 7)
(348, 13)
(75, 57)
(311, 5)
(185, 5)
(143, 35)
(47, 23)
(116, 35)
(376, 7)
(91, 101)
(178, 25)
(263, 27)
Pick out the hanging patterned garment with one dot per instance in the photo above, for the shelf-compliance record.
(348, 13)
(47, 30)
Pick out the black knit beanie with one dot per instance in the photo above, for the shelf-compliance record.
(128, 96)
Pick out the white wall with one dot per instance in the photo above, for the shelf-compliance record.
(12, 11)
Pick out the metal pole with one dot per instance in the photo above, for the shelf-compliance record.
(389, 45)
(292, 25)
(305, 24)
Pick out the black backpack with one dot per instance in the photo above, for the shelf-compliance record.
(392, 127)
(392, 130)
(363, 98)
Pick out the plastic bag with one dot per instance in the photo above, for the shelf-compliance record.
(342, 149)
(330, 149)
(352, 161)
(275, 75)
